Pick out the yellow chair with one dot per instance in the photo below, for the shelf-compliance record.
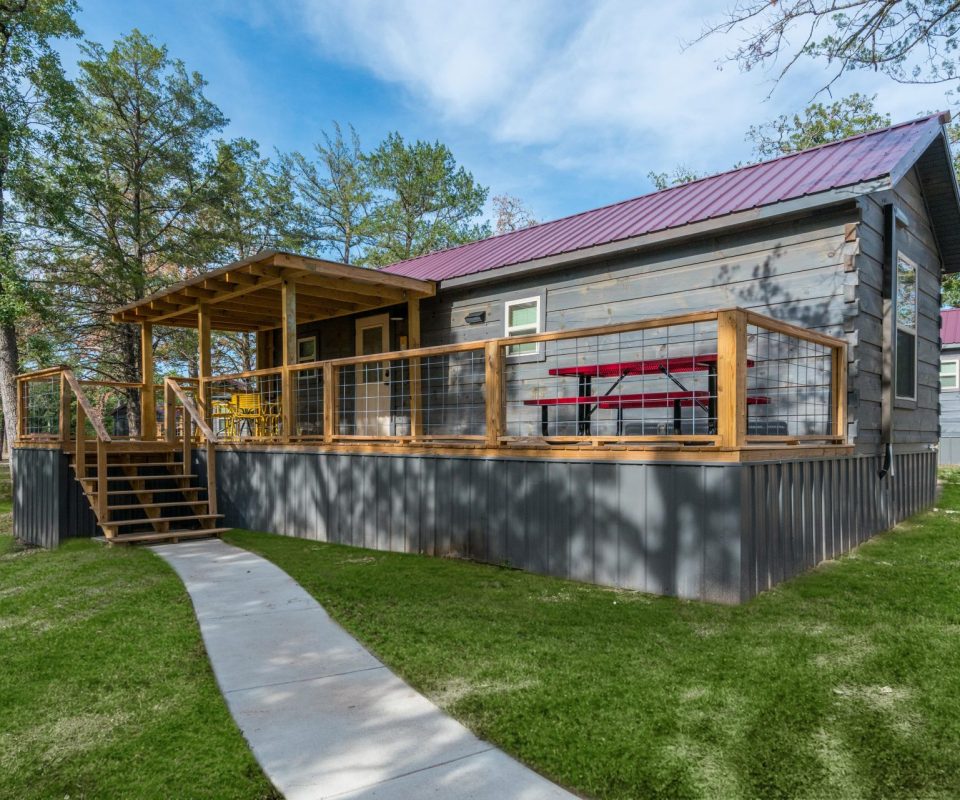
(261, 418)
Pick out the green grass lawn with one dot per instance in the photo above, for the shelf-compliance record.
(105, 688)
(844, 683)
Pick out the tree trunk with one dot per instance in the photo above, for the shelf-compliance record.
(9, 365)
(130, 347)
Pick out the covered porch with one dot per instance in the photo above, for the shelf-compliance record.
(280, 297)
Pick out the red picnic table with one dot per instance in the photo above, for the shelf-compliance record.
(587, 402)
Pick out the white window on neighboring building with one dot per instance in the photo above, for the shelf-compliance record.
(906, 367)
(522, 318)
(949, 376)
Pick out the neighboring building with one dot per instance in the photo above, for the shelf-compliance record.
(950, 387)
(698, 392)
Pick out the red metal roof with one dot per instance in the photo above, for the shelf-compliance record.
(950, 326)
(831, 166)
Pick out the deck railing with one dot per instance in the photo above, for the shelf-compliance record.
(722, 379)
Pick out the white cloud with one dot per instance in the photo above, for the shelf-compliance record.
(601, 88)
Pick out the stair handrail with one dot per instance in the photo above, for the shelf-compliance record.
(96, 421)
(172, 390)
(191, 409)
(85, 411)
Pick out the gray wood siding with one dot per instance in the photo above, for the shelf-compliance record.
(913, 422)
(950, 400)
(792, 271)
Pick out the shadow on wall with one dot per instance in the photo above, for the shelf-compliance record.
(661, 528)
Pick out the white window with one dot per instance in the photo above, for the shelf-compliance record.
(522, 318)
(306, 349)
(949, 376)
(906, 367)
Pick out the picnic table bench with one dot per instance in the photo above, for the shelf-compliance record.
(588, 402)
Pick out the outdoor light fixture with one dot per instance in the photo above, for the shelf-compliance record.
(476, 317)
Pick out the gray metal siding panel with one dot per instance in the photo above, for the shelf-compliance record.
(606, 521)
(714, 532)
(856, 504)
(631, 544)
(581, 520)
(48, 503)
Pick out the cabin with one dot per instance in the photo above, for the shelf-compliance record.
(699, 392)
(950, 387)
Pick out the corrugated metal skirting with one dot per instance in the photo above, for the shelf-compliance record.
(800, 513)
(48, 503)
(709, 532)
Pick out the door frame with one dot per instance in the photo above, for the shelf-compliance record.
(384, 416)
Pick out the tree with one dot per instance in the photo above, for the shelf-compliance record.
(429, 202)
(510, 214)
(139, 171)
(817, 124)
(911, 41)
(681, 174)
(35, 106)
(335, 196)
(251, 208)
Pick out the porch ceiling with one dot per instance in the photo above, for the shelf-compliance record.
(246, 295)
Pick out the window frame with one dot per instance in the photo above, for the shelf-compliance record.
(512, 330)
(956, 374)
(316, 348)
(904, 328)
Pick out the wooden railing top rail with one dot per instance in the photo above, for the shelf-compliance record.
(42, 373)
(91, 413)
(751, 317)
(253, 373)
(112, 384)
(188, 405)
(771, 324)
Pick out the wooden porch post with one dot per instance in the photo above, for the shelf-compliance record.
(288, 301)
(413, 342)
(263, 338)
(148, 407)
(838, 386)
(732, 378)
(493, 380)
(204, 359)
(64, 411)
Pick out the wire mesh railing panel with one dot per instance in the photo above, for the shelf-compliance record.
(453, 392)
(307, 388)
(657, 381)
(117, 406)
(440, 396)
(373, 399)
(180, 415)
(246, 407)
(40, 406)
(789, 385)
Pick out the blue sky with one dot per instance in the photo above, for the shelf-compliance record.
(567, 105)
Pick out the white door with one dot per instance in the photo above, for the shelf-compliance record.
(373, 378)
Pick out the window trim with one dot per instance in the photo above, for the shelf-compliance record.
(956, 374)
(316, 348)
(901, 256)
(509, 330)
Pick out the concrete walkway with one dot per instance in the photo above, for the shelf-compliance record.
(323, 717)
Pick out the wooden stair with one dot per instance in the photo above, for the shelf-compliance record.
(149, 497)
